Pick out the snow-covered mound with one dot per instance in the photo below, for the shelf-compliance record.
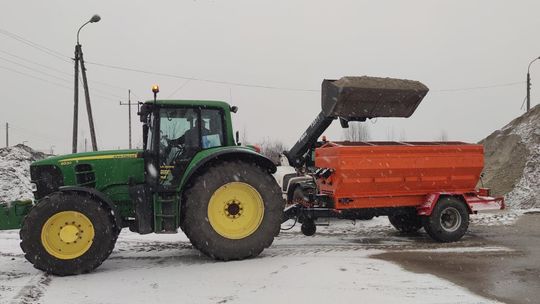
(512, 161)
(15, 172)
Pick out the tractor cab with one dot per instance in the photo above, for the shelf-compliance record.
(174, 131)
(175, 134)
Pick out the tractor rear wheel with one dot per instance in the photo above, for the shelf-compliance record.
(408, 222)
(448, 221)
(232, 210)
(68, 233)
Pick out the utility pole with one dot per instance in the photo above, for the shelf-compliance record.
(80, 60)
(76, 101)
(529, 84)
(528, 91)
(129, 114)
(7, 134)
(88, 106)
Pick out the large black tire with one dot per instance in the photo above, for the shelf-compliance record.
(408, 222)
(196, 212)
(102, 224)
(365, 217)
(448, 221)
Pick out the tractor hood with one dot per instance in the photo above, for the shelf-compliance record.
(103, 170)
(88, 156)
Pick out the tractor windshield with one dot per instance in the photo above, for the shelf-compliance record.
(179, 131)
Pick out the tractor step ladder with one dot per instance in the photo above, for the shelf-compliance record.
(166, 211)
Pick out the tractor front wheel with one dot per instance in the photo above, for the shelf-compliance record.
(232, 210)
(68, 233)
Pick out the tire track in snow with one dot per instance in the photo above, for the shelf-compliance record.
(33, 290)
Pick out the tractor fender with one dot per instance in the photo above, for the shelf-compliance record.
(235, 153)
(97, 195)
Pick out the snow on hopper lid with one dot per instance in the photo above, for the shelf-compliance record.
(356, 98)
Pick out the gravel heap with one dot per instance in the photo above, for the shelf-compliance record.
(512, 161)
(15, 172)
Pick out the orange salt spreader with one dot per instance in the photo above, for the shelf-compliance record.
(416, 184)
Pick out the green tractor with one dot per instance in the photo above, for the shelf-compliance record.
(191, 174)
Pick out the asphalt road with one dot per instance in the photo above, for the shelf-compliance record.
(511, 276)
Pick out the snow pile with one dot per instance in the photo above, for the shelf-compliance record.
(15, 172)
(512, 161)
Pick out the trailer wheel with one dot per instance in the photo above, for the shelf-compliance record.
(448, 221)
(232, 211)
(406, 222)
(365, 217)
(67, 234)
(308, 227)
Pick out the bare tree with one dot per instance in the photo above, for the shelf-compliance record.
(272, 149)
(390, 133)
(357, 131)
(244, 136)
(443, 136)
(403, 135)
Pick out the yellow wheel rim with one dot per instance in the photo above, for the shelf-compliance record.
(67, 235)
(235, 210)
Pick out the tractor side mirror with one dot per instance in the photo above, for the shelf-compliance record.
(238, 138)
(234, 109)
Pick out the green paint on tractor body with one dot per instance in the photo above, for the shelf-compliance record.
(112, 174)
(11, 214)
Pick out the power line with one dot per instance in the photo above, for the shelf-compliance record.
(200, 79)
(53, 76)
(32, 69)
(36, 46)
(35, 77)
(63, 58)
(36, 63)
(34, 132)
(179, 88)
(62, 72)
(50, 82)
(479, 87)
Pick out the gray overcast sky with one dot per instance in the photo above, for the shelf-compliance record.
(444, 44)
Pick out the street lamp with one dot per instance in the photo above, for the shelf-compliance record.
(79, 59)
(529, 84)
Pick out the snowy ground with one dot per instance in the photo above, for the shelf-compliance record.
(334, 266)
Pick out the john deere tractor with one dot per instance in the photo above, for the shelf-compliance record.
(191, 174)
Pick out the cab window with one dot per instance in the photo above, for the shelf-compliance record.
(212, 128)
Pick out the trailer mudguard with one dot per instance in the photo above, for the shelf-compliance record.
(474, 201)
(224, 154)
(98, 195)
